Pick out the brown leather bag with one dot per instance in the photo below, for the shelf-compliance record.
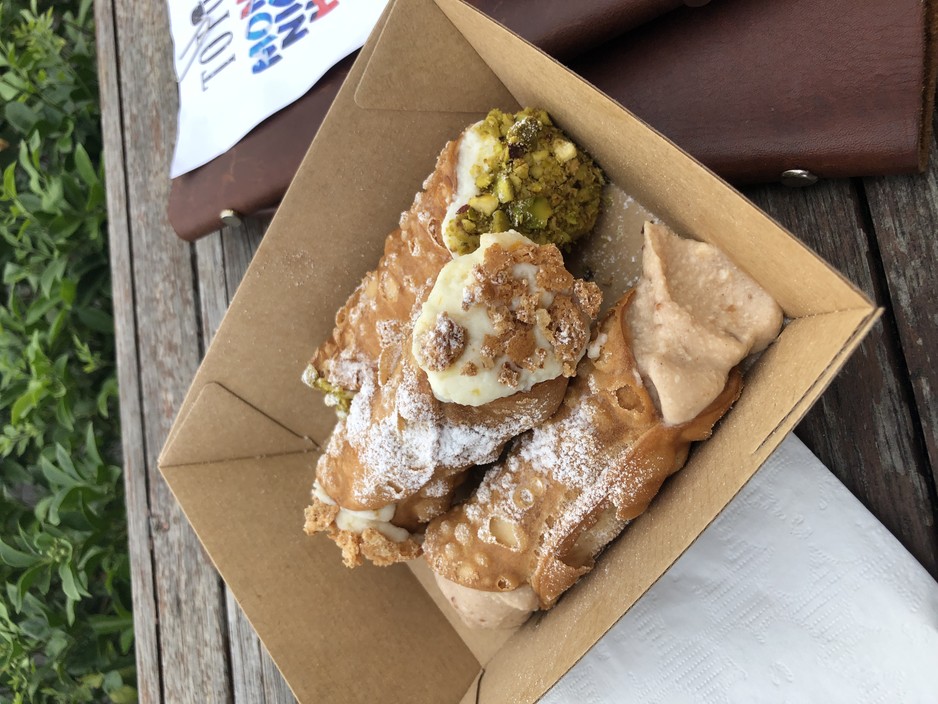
(753, 88)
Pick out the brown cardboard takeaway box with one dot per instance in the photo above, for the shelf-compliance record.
(240, 456)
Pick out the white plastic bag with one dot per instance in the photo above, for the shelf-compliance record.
(240, 61)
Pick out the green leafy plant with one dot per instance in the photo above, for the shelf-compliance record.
(66, 632)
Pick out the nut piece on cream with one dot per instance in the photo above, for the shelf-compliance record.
(502, 319)
(696, 315)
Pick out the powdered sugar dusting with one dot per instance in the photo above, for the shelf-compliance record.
(405, 448)
(349, 372)
(436, 489)
(569, 453)
(566, 451)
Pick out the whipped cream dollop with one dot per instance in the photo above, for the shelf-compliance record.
(358, 521)
(502, 319)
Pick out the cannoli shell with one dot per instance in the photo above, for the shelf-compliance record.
(413, 256)
(568, 487)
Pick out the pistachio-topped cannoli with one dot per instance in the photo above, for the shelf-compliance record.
(498, 333)
(504, 172)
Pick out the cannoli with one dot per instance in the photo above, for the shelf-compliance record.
(436, 362)
(661, 369)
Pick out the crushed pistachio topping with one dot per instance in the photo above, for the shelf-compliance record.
(536, 181)
(336, 396)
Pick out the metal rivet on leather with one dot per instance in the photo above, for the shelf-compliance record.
(798, 178)
(231, 218)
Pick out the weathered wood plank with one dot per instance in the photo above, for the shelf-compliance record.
(246, 668)
(240, 250)
(863, 427)
(255, 679)
(275, 687)
(122, 286)
(211, 288)
(189, 597)
(904, 211)
(247, 679)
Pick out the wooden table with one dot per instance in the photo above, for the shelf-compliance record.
(876, 427)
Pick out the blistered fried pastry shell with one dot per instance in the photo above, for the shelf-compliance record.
(596, 464)
(661, 370)
(396, 446)
(413, 256)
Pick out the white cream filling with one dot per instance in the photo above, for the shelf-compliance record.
(451, 385)
(358, 521)
(474, 148)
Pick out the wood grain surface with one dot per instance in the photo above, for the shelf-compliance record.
(904, 215)
(136, 479)
(179, 601)
(221, 261)
(876, 427)
(864, 427)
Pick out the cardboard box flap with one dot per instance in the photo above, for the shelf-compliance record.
(804, 350)
(300, 598)
(222, 426)
(483, 643)
(443, 74)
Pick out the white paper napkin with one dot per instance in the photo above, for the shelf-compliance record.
(796, 593)
(240, 61)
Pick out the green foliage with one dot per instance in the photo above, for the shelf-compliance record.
(66, 633)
